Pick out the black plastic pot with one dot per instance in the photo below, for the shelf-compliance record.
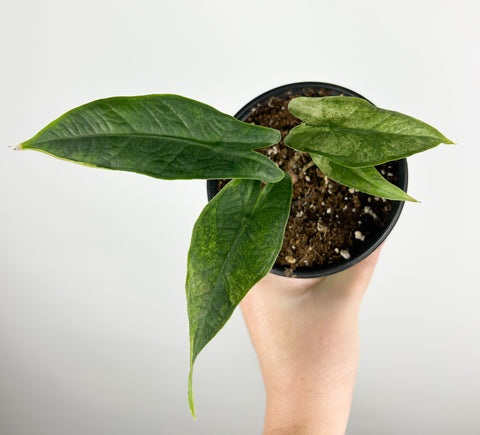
(399, 168)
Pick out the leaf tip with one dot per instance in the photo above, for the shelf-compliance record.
(191, 403)
(408, 198)
(292, 102)
(279, 178)
(278, 135)
(16, 148)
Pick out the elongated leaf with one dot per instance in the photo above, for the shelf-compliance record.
(354, 133)
(234, 244)
(367, 180)
(164, 136)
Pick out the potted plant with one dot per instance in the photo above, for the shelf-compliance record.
(238, 236)
(323, 236)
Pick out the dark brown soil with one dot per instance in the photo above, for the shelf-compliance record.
(328, 222)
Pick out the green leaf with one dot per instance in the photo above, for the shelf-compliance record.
(234, 244)
(163, 136)
(367, 179)
(354, 133)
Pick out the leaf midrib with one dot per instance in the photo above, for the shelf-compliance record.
(198, 142)
(246, 221)
(364, 131)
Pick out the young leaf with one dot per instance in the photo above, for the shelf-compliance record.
(354, 133)
(164, 136)
(367, 180)
(235, 242)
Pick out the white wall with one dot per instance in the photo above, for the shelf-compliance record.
(93, 324)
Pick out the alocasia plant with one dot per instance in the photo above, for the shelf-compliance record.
(239, 234)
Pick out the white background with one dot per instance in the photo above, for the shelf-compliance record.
(93, 324)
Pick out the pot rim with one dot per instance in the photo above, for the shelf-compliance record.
(378, 237)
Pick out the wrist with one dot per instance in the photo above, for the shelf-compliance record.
(311, 404)
(309, 388)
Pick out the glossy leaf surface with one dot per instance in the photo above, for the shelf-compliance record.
(163, 136)
(367, 180)
(354, 133)
(235, 242)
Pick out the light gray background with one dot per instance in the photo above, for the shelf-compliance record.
(93, 324)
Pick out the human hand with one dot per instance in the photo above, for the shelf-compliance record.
(305, 333)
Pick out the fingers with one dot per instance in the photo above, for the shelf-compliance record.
(349, 284)
(357, 277)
